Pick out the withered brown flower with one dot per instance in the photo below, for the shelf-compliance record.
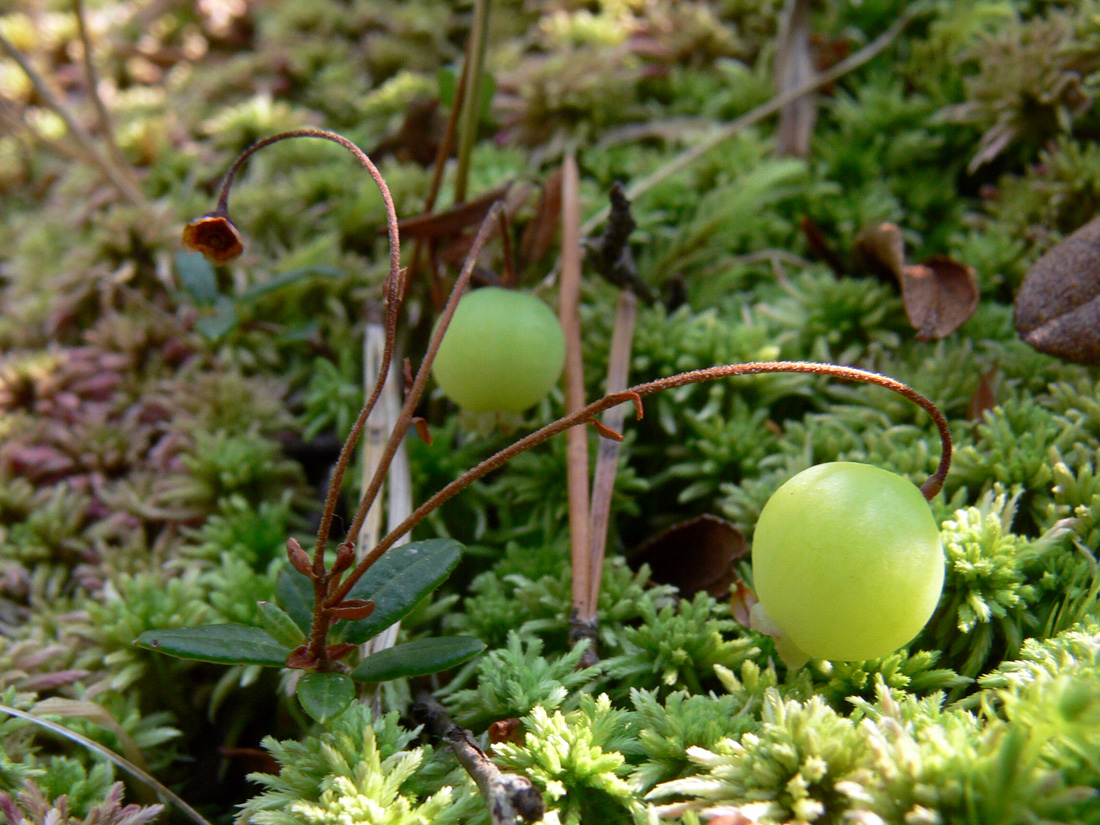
(215, 236)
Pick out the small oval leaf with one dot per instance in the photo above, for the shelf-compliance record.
(325, 695)
(417, 658)
(279, 625)
(397, 581)
(294, 594)
(227, 644)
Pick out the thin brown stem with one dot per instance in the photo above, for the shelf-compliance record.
(633, 394)
(446, 144)
(106, 126)
(393, 289)
(412, 398)
(113, 173)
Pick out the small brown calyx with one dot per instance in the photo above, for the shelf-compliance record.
(215, 236)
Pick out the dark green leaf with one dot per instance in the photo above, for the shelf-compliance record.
(417, 658)
(291, 276)
(325, 695)
(227, 644)
(280, 626)
(197, 277)
(397, 581)
(294, 594)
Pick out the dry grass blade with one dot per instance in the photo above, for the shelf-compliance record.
(607, 455)
(108, 754)
(762, 111)
(111, 171)
(577, 440)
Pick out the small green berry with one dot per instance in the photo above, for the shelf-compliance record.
(503, 351)
(847, 561)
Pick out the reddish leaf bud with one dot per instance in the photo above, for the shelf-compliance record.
(298, 557)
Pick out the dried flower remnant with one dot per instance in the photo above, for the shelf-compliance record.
(215, 236)
(1058, 306)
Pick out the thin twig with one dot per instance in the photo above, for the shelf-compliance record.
(394, 291)
(762, 111)
(446, 143)
(509, 796)
(405, 419)
(576, 450)
(114, 174)
(106, 126)
(471, 103)
(607, 456)
(633, 395)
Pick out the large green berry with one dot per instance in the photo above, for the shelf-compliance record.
(847, 561)
(503, 351)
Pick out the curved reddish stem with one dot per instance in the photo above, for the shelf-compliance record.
(633, 394)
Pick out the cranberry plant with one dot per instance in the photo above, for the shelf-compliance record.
(328, 604)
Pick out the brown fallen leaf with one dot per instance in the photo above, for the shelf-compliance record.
(538, 235)
(940, 295)
(453, 221)
(1058, 305)
(417, 139)
(697, 554)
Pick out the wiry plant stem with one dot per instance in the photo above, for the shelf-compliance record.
(114, 174)
(393, 297)
(106, 127)
(634, 394)
(412, 397)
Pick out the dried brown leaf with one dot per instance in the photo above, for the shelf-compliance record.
(698, 554)
(453, 221)
(538, 235)
(940, 296)
(1058, 306)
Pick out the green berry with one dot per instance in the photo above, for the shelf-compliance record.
(847, 561)
(503, 351)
